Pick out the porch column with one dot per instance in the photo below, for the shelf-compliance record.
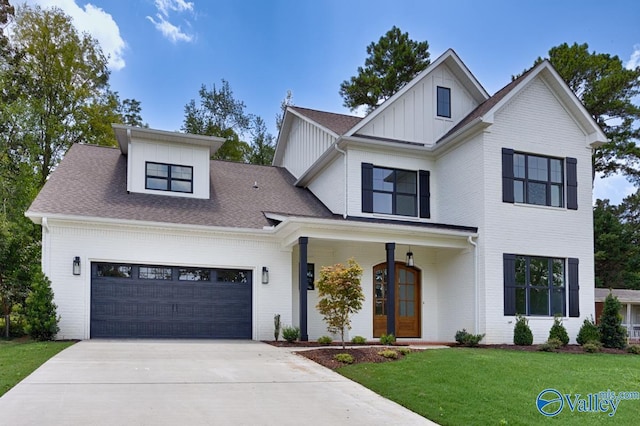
(302, 283)
(391, 288)
(629, 321)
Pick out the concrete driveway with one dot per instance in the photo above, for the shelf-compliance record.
(142, 382)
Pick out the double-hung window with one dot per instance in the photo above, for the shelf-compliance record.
(169, 177)
(395, 192)
(537, 285)
(443, 102)
(540, 180)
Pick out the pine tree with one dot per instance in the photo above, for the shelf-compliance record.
(40, 311)
(612, 333)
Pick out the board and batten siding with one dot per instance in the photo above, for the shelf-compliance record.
(94, 242)
(141, 151)
(534, 121)
(306, 143)
(412, 117)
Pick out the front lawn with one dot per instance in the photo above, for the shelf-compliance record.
(19, 358)
(461, 386)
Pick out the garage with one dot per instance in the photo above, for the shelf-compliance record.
(150, 301)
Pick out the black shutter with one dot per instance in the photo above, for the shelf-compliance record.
(425, 193)
(572, 183)
(507, 175)
(574, 288)
(367, 188)
(509, 265)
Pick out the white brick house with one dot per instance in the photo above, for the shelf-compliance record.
(491, 196)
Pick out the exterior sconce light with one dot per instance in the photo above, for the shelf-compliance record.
(409, 257)
(76, 265)
(265, 275)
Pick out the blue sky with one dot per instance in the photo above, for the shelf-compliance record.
(162, 51)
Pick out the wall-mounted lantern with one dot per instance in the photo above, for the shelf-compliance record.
(409, 257)
(76, 265)
(265, 275)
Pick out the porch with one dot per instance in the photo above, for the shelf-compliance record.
(630, 309)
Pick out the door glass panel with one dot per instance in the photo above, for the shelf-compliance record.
(410, 309)
(403, 292)
(380, 307)
(410, 289)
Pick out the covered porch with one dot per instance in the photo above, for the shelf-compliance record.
(630, 310)
(419, 280)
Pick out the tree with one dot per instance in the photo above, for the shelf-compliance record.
(392, 62)
(610, 245)
(607, 90)
(40, 311)
(288, 100)
(219, 114)
(612, 333)
(340, 295)
(131, 113)
(262, 148)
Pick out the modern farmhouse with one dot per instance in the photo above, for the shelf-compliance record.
(462, 208)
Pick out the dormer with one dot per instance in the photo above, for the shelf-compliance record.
(166, 163)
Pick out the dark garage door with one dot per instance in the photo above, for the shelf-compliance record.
(169, 301)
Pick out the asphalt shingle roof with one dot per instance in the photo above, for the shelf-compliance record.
(338, 123)
(91, 181)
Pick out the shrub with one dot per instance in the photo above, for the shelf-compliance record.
(558, 331)
(387, 339)
(40, 311)
(389, 353)
(325, 340)
(467, 339)
(550, 345)
(404, 351)
(634, 349)
(588, 332)
(276, 326)
(522, 334)
(290, 334)
(16, 322)
(359, 340)
(592, 346)
(612, 333)
(344, 358)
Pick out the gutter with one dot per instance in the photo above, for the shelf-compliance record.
(475, 283)
(346, 180)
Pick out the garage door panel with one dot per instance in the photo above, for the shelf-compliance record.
(206, 305)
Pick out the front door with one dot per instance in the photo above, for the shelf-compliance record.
(407, 300)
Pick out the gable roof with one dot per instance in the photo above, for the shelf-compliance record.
(91, 182)
(337, 123)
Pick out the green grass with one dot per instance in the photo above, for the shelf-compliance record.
(489, 386)
(18, 359)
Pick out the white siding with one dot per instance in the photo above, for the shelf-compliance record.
(412, 117)
(329, 185)
(535, 122)
(141, 151)
(305, 145)
(127, 244)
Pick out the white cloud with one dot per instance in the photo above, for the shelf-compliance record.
(170, 31)
(634, 60)
(614, 188)
(96, 22)
(162, 23)
(164, 6)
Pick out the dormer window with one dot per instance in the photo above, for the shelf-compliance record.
(169, 177)
(444, 102)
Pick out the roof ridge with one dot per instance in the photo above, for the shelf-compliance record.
(324, 112)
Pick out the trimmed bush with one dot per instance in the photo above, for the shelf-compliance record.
(467, 339)
(389, 353)
(387, 339)
(634, 349)
(558, 331)
(404, 351)
(550, 345)
(588, 332)
(612, 333)
(325, 340)
(592, 346)
(41, 321)
(344, 358)
(522, 334)
(358, 340)
(290, 333)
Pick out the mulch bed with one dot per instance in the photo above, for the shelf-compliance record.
(369, 352)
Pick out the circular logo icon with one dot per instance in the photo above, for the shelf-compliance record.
(550, 402)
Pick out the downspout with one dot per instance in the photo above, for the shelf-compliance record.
(475, 284)
(44, 260)
(346, 182)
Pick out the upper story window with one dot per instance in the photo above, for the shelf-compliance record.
(444, 102)
(169, 177)
(540, 180)
(394, 191)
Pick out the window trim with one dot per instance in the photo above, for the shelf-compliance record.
(448, 101)
(169, 179)
(394, 193)
(548, 183)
